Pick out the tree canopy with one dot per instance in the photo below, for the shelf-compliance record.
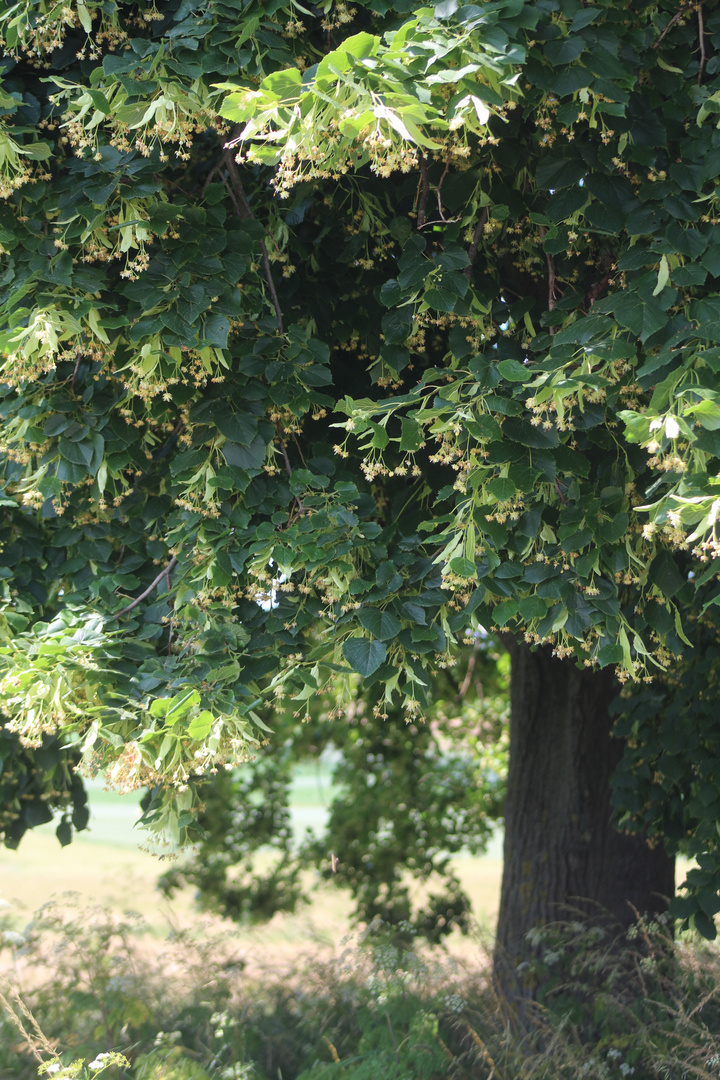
(333, 332)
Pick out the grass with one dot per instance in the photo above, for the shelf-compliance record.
(191, 1008)
(193, 998)
(106, 865)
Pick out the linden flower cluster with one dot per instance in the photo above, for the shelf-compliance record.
(43, 33)
(387, 158)
(172, 122)
(339, 15)
(334, 157)
(14, 174)
(508, 509)
(707, 550)
(448, 451)
(114, 239)
(190, 370)
(109, 35)
(542, 416)
(668, 463)
(196, 502)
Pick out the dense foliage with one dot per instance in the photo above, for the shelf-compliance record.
(332, 332)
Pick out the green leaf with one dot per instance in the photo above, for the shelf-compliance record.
(237, 427)
(501, 488)
(64, 832)
(201, 725)
(363, 655)
(663, 573)
(382, 624)
(504, 611)
(446, 9)
(229, 672)
(84, 16)
(380, 437)
(245, 457)
(440, 299)
(559, 172)
(663, 276)
(215, 331)
(513, 371)
(640, 318)
(464, 568)
(532, 607)
(412, 436)
(56, 424)
(704, 925)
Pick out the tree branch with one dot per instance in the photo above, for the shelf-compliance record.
(701, 39)
(552, 278)
(678, 15)
(441, 181)
(475, 242)
(74, 374)
(244, 210)
(597, 288)
(215, 169)
(283, 447)
(164, 573)
(462, 690)
(300, 506)
(424, 187)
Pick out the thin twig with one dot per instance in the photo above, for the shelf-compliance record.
(164, 573)
(441, 221)
(439, 189)
(552, 277)
(283, 447)
(462, 691)
(231, 193)
(678, 15)
(424, 188)
(701, 39)
(239, 190)
(300, 506)
(475, 243)
(299, 450)
(72, 381)
(216, 168)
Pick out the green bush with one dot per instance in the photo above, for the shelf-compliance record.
(185, 1008)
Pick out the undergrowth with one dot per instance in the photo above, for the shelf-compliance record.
(82, 995)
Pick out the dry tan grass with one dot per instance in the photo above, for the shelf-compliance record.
(122, 877)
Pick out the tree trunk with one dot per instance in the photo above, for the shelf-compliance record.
(562, 852)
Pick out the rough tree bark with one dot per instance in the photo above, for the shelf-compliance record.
(561, 849)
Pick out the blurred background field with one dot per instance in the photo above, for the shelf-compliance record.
(106, 864)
